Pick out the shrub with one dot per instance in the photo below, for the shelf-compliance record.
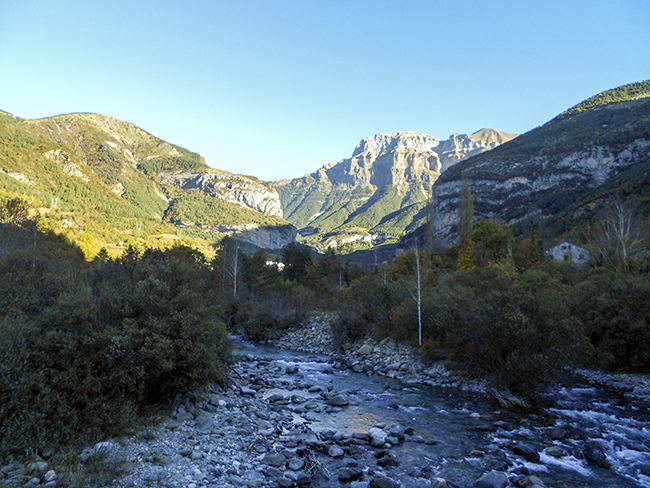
(614, 309)
(516, 331)
(83, 349)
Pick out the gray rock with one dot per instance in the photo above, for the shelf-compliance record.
(340, 400)
(595, 455)
(296, 464)
(335, 451)
(492, 480)
(555, 451)
(527, 452)
(183, 416)
(245, 390)
(204, 423)
(274, 459)
(348, 474)
(382, 482)
(533, 482)
(38, 467)
(398, 432)
(377, 437)
(439, 483)
(292, 369)
(365, 350)
(284, 482)
(49, 476)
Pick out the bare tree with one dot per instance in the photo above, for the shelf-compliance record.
(417, 294)
(623, 235)
(229, 265)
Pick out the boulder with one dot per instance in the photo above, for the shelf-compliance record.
(595, 455)
(340, 400)
(274, 459)
(527, 452)
(492, 480)
(377, 437)
(439, 483)
(365, 350)
(382, 482)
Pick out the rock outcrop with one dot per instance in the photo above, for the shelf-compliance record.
(240, 190)
(263, 236)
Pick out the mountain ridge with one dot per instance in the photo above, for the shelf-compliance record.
(70, 163)
(380, 190)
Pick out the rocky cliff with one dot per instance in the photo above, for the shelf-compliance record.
(557, 173)
(381, 189)
(240, 190)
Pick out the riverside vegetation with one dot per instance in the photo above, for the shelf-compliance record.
(87, 346)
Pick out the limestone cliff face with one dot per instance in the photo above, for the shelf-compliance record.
(559, 170)
(383, 186)
(265, 236)
(241, 190)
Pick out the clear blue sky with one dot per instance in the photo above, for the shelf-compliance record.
(276, 89)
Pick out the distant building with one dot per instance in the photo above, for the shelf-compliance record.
(567, 252)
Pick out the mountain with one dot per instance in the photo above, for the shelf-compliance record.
(380, 191)
(103, 182)
(562, 173)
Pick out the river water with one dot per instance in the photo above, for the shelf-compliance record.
(458, 436)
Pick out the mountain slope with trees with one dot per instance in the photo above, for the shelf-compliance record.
(562, 174)
(102, 181)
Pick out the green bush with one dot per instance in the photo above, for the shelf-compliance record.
(515, 330)
(614, 309)
(84, 348)
(267, 314)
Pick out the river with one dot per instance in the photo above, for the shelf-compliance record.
(459, 436)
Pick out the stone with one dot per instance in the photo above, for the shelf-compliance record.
(284, 482)
(49, 476)
(303, 479)
(335, 451)
(387, 461)
(527, 452)
(398, 432)
(183, 416)
(595, 455)
(245, 390)
(340, 400)
(296, 464)
(292, 369)
(556, 433)
(204, 423)
(274, 459)
(377, 437)
(492, 480)
(382, 482)
(533, 482)
(346, 475)
(38, 467)
(365, 350)
(439, 483)
(555, 451)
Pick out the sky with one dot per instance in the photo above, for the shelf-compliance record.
(277, 89)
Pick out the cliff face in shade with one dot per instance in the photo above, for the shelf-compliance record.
(555, 174)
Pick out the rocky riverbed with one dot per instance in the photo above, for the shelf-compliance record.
(371, 416)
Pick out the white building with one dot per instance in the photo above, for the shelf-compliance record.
(568, 252)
